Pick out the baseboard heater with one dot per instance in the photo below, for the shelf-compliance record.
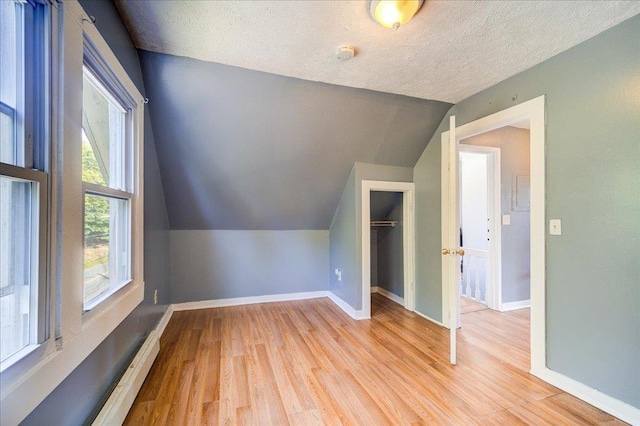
(117, 407)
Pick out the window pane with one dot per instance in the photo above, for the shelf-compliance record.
(7, 135)
(103, 127)
(8, 52)
(106, 245)
(18, 281)
(11, 89)
(91, 171)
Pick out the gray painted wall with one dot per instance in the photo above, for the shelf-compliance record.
(514, 159)
(225, 264)
(390, 256)
(242, 149)
(593, 153)
(342, 244)
(91, 381)
(345, 233)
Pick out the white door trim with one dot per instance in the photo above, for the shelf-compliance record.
(494, 270)
(534, 110)
(408, 240)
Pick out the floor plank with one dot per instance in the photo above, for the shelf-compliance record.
(307, 363)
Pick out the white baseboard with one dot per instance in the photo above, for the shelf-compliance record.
(428, 318)
(615, 407)
(162, 324)
(117, 407)
(374, 289)
(391, 296)
(348, 309)
(512, 306)
(236, 301)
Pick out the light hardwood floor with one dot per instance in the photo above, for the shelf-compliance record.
(308, 363)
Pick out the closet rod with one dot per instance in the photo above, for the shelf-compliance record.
(391, 223)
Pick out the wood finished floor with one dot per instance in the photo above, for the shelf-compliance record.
(308, 363)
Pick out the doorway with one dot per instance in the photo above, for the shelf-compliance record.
(533, 111)
(387, 242)
(480, 229)
(408, 241)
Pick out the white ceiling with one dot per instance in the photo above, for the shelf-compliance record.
(448, 52)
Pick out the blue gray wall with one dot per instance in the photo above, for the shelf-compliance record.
(345, 233)
(226, 264)
(593, 153)
(342, 244)
(90, 383)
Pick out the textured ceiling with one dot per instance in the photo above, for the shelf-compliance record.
(448, 52)
(242, 149)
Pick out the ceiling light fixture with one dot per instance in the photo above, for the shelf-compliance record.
(394, 13)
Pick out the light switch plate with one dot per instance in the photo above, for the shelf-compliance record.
(555, 227)
(506, 219)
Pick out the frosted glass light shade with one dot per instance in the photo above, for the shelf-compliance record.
(394, 13)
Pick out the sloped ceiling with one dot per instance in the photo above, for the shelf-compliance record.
(250, 135)
(383, 203)
(448, 52)
(242, 149)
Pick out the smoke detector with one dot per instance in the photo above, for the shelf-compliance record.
(345, 53)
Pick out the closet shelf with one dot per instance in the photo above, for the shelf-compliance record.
(383, 223)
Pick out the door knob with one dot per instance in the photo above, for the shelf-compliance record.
(460, 252)
(446, 251)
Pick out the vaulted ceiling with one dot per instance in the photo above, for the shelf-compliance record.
(241, 149)
(257, 123)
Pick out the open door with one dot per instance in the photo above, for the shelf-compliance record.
(451, 251)
(534, 111)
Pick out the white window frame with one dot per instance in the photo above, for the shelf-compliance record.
(101, 77)
(32, 144)
(39, 300)
(76, 333)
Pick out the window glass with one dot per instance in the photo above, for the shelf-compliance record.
(18, 268)
(11, 59)
(103, 128)
(106, 245)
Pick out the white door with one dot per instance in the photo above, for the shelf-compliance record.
(534, 111)
(451, 251)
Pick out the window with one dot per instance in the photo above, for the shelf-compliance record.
(106, 172)
(71, 156)
(23, 180)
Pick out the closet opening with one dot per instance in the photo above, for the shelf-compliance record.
(392, 217)
(387, 242)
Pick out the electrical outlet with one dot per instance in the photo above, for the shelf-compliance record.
(555, 227)
(155, 296)
(338, 273)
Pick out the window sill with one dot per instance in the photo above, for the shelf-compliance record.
(17, 356)
(104, 296)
